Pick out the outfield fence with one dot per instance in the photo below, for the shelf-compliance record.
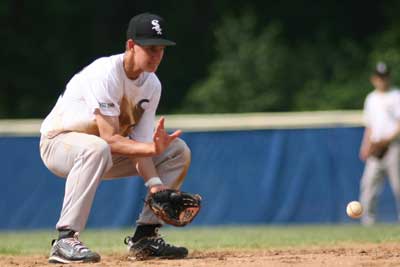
(260, 168)
(221, 122)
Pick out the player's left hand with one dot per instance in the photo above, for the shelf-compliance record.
(161, 138)
(157, 188)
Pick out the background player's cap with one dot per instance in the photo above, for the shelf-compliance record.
(381, 69)
(148, 29)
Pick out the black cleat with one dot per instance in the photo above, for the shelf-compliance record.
(154, 247)
(71, 250)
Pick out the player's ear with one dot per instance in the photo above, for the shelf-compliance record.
(129, 44)
(372, 79)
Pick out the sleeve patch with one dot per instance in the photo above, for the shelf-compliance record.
(106, 105)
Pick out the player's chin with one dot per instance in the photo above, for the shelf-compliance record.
(152, 68)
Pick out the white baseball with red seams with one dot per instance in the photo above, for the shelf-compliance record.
(354, 209)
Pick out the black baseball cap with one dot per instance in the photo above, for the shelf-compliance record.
(148, 29)
(381, 69)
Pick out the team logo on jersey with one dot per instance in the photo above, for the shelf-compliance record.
(142, 104)
(106, 105)
(131, 114)
(138, 111)
(156, 26)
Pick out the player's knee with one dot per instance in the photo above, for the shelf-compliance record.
(182, 150)
(99, 149)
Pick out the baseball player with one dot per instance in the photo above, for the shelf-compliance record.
(380, 146)
(103, 127)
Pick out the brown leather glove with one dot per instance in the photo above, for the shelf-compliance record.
(175, 207)
(379, 149)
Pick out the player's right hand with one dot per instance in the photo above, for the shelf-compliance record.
(162, 139)
(364, 153)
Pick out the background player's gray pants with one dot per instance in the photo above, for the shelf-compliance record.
(373, 179)
(85, 159)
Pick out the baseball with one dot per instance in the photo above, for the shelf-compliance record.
(354, 209)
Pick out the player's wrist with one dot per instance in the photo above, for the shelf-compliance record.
(153, 181)
(153, 149)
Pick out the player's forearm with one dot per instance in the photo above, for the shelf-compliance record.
(395, 135)
(146, 168)
(366, 141)
(125, 146)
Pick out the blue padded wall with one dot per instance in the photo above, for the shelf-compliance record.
(245, 177)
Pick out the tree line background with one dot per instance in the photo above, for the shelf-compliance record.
(231, 56)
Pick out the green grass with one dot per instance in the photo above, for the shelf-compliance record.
(200, 238)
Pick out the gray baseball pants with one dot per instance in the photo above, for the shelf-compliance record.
(373, 179)
(86, 159)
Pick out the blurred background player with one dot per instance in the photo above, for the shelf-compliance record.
(380, 146)
(102, 126)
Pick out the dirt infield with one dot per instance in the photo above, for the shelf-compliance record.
(368, 255)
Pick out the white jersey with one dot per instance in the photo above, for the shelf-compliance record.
(104, 86)
(382, 113)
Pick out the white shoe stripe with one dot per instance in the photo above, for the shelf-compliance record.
(56, 259)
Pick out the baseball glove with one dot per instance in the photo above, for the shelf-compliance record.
(379, 149)
(175, 207)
